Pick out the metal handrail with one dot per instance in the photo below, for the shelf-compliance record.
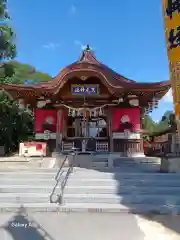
(62, 181)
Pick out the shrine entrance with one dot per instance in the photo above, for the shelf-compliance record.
(89, 134)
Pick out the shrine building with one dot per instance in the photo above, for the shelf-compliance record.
(91, 107)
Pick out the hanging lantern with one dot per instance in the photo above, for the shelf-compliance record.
(95, 113)
(41, 104)
(78, 112)
(145, 111)
(156, 106)
(132, 96)
(134, 102)
(154, 102)
(21, 104)
(28, 108)
(120, 100)
(92, 113)
(69, 112)
(73, 113)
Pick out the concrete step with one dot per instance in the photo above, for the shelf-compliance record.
(90, 207)
(122, 182)
(97, 165)
(29, 207)
(29, 175)
(100, 159)
(21, 197)
(124, 190)
(119, 208)
(30, 171)
(78, 173)
(28, 188)
(27, 181)
(47, 187)
(126, 199)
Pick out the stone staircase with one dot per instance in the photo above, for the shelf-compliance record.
(131, 187)
(100, 160)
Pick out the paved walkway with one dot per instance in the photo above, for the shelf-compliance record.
(16, 162)
(69, 226)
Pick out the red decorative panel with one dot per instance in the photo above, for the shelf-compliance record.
(44, 116)
(125, 119)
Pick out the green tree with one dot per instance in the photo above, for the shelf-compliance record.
(148, 124)
(7, 46)
(165, 122)
(15, 125)
(25, 72)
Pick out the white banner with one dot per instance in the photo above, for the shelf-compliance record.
(126, 135)
(45, 136)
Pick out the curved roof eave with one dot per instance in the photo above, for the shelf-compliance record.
(89, 63)
(152, 85)
(115, 80)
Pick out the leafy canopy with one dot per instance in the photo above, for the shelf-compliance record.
(7, 46)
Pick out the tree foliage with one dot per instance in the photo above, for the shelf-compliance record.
(25, 72)
(15, 125)
(167, 122)
(7, 46)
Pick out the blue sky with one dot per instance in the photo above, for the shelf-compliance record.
(128, 36)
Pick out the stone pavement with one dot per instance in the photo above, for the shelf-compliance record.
(16, 162)
(68, 226)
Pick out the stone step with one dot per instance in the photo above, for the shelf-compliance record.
(122, 182)
(28, 171)
(78, 178)
(27, 181)
(124, 190)
(85, 173)
(123, 175)
(47, 187)
(25, 197)
(29, 207)
(100, 159)
(90, 207)
(126, 199)
(29, 175)
(97, 165)
(120, 208)
(28, 188)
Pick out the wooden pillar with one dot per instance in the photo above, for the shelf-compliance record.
(86, 121)
(77, 127)
(141, 147)
(87, 124)
(58, 130)
(65, 124)
(109, 118)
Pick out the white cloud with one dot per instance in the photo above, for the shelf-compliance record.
(168, 97)
(80, 44)
(52, 45)
(73, 10)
